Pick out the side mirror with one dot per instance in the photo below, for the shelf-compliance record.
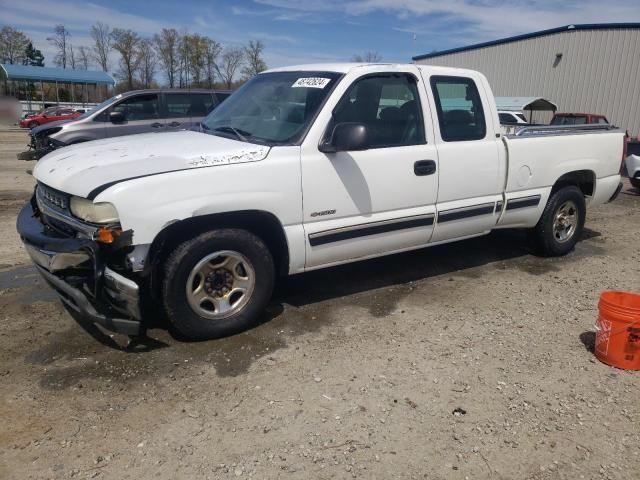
(346, 137)
(116, 117)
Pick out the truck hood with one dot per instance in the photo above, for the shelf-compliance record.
(80, 169)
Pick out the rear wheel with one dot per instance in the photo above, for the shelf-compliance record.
(561, 223)
(218, 283)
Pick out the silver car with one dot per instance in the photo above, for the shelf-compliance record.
(138, 111)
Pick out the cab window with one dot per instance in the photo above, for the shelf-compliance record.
(460, 112)
(388, 105)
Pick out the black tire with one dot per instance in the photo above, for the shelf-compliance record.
(545, 239)
(186, 256)
(635, 182)
(33, 125)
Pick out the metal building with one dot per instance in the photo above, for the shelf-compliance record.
(592, 68)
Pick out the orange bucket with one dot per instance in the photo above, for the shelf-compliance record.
(618, 330)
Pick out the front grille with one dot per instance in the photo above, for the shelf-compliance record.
(49, 199)
(53, 198)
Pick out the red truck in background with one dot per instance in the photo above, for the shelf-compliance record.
(578, 119)
(48, 115)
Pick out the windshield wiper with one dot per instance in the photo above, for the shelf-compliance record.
(241, 134)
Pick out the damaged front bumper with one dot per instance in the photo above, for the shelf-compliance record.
(76, 269)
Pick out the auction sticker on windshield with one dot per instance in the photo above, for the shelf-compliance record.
(311, 82)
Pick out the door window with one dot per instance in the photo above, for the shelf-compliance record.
(388, 106)
(181, 105)
(460, 112)
(139, 107)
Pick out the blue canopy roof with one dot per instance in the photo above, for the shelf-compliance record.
(45, 74)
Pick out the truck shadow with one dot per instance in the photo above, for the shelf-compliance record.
(460, 258)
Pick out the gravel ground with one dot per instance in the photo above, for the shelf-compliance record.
(466, 361)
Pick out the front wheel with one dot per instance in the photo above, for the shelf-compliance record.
(217, 283)
(635, 182)
(561, 223)
(33, 125)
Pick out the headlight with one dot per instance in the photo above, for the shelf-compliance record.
(93, 212)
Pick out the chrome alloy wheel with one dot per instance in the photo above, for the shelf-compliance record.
(220, 284)
(565, 222)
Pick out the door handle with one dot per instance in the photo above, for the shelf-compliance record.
(424, 167)
(157, 125)
(174, 124)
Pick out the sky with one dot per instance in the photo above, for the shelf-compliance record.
(309, 31)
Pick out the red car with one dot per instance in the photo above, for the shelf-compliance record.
(50, 115)
(578, 119)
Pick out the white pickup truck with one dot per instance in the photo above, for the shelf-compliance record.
(302, 168)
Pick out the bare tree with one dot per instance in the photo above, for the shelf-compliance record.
(72, 57)
(193, 52)
(253, 57)
(211, 58)
(231, 60)
(368, 57)
(83, 58)
(147, 61)
(167, 43)
(101, 34)
(60, 41)
(13, 45)
(126, 43)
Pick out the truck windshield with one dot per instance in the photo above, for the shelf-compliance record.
(272, 108)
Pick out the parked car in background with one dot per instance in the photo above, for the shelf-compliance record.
(49, 115)
(632, 163)
(578, 119)
(510, 121)
(511, 118)
(303, 168)
(138, 111)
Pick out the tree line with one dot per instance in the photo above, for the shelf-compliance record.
(178, 59)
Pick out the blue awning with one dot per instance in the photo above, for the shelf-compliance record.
(46, 74)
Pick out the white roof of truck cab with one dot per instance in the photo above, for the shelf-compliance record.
(348, 67)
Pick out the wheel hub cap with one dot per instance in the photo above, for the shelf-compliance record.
(220, 284)
(565, 222)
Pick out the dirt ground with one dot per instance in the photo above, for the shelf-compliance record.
(466, 361)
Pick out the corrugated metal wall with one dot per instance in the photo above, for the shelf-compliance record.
(599, 71)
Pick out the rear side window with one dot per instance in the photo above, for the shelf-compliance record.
(460, 112)
(139, 107)
(181, 105)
